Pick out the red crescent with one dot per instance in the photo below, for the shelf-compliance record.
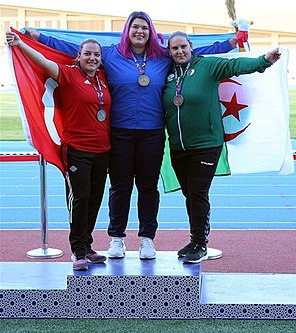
(230, 80)
(231, 136)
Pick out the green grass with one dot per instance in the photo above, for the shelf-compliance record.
(11, 127)
(292, 96)
(10, 121)
(142, 325)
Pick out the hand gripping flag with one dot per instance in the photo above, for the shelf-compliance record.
(38, 97)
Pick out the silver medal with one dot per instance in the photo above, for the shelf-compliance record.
(101, 115)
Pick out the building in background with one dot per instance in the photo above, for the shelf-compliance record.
(21, 16)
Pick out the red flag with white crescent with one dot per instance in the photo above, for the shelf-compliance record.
(39, 99)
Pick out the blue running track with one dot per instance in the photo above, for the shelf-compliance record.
(255, 201)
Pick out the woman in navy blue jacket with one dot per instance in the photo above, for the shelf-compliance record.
(136, 70)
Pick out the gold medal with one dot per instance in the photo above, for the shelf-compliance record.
(178, 100)
(143, 80)
(101, 115)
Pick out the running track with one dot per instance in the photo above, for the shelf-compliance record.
(262, 201)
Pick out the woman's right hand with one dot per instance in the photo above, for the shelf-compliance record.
(32, 33)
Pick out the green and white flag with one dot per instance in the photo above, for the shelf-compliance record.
(255, 112)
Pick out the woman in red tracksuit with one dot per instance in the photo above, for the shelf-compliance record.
(85, 139)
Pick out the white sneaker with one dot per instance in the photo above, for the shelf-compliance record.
(117, 248)
(147, 250)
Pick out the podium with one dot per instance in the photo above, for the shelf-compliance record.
(133, 288)
(163, 288)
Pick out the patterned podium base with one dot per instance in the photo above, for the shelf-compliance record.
(164, 288)
(132, 288)
(134, 297)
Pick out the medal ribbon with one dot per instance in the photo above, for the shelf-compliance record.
(141, 68)
(98, 90)
(179, 80)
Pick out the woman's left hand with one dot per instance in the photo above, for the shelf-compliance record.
(273, 55)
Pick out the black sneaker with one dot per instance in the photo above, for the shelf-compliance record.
(186, 249)
(195, 255)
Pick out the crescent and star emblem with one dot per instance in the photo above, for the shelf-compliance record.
(232, 108)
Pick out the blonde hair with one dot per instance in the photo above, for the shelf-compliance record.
(86, 41)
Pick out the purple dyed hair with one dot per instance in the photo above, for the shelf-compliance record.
(152, 47)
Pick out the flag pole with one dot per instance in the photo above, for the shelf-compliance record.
(44, 252)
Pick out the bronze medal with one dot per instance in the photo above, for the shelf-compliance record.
(143, 80)
(101, 115)
(178, 100)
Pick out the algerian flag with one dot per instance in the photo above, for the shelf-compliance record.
(255, 113)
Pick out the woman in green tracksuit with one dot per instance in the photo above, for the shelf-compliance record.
(195, 128)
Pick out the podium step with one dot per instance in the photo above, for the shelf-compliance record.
(163, 288)
(134, 288)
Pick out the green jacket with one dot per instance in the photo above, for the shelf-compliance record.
(197, 122)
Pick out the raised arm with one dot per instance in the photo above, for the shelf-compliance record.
(57, 44)
(223, 68)
(49, 66)
(217, 47)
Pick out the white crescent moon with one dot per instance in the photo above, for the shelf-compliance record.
(48, 102)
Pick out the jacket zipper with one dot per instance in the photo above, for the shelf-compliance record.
(180, 130)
